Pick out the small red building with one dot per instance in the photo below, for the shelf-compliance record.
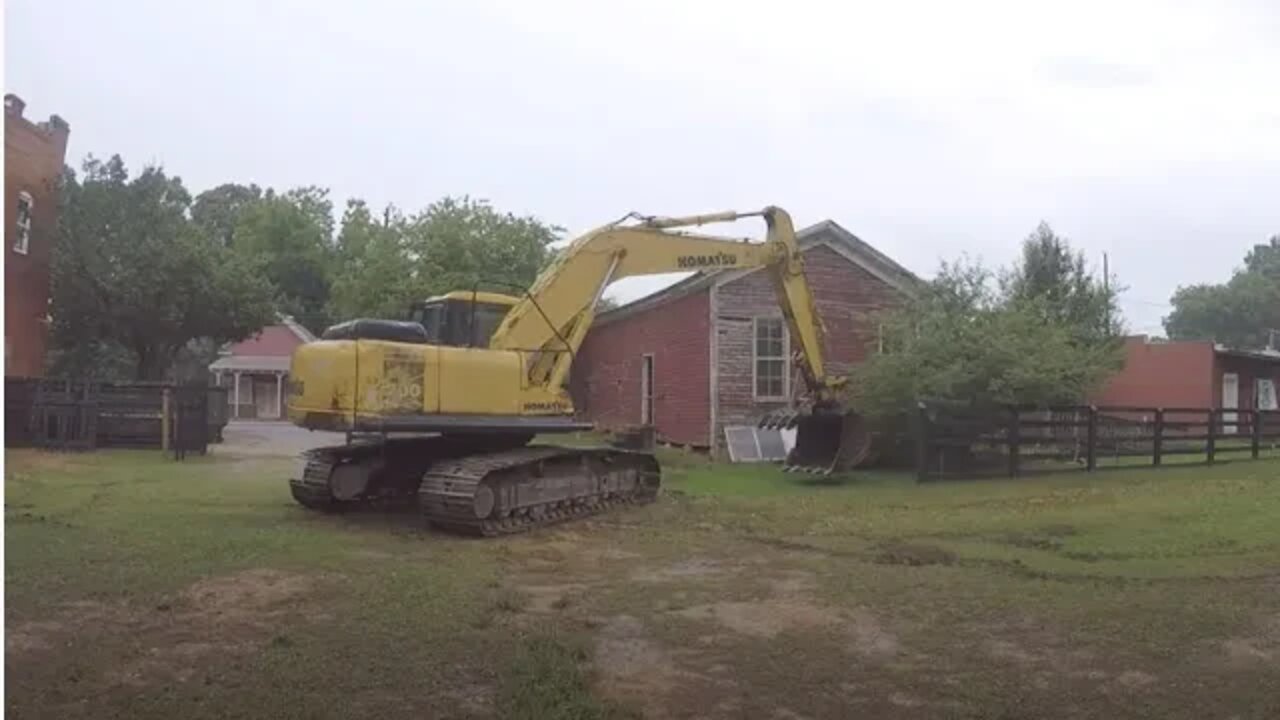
(713, 350)
(1193, 374)
(33, 157)
(256, 370)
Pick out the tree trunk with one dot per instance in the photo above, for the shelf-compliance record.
(152, 363)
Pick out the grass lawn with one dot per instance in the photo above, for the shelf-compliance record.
(143, 588)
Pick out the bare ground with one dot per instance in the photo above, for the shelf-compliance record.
(681, 611)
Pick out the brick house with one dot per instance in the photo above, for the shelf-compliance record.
(255, 370)
(33, 158)
(1193, 374)
(713, 350)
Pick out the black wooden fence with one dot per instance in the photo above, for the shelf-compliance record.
(72, 415)
(954, 442)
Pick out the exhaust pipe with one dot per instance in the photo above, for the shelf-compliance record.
(828, 439)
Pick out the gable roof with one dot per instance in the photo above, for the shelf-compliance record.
(286, 321)
(827, 233)
(303, 334)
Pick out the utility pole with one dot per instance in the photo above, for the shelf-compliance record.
(1106, 288)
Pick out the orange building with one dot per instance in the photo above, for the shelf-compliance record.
(33, 159)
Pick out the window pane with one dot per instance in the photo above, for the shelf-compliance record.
(769, 334)
(769, 378)
(773, 387)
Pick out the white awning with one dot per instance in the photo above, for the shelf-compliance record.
(251, 363)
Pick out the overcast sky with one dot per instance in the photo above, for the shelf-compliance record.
(1148, 130)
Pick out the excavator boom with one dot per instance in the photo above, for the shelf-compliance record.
(557, 313)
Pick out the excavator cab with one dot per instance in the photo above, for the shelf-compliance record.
(462, 318)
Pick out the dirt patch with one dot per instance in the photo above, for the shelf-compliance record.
(1262, 646)
(765, 619)
(216, 617)
(370, 554)
(545, 599)
(793, 582)
(1242, 650)
(632, 667)
(868, 637)
(905, 700)
(30, 637)
(245, 598)
(914, 554)
(472, 698)
(69, 621)
(693, 568)
(1135, 679)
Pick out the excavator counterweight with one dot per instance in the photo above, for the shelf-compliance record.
(474, 376)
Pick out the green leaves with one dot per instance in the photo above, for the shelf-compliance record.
(285, 238)
(1045, 333)
(142, 274)
(1240, 313)
(385, 264)
(131, 271)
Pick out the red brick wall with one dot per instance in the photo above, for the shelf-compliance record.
(1173, 374)
(273, 340)
(848, 297)
(32, 163)
(605, 378)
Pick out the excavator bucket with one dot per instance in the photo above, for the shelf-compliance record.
(828, 440)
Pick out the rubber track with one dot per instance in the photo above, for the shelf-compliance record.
(447, 492)
(410, 456)
(312, 489)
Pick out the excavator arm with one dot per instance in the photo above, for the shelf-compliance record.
(550, 323)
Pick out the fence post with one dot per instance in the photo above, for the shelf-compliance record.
(1255, 442)
(1015, 439)
(1158, 446)
(1091, 440)
(923, 440)
(165, 404)
(1212, 442)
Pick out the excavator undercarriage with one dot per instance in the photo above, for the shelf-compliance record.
(476, 484)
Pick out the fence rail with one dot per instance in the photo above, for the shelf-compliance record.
(1013, 441)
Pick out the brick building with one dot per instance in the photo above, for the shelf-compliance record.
(33, 158)
(713, 350)
(255, 370)
(1193, 374)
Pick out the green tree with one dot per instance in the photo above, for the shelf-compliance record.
(287, 237)
(1055, 280)
(217, 211)
(1264, 258)
(133, 278)
(1044, 334)
(385, 264)
(1242, 312)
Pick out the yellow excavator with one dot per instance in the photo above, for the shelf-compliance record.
(443, 407)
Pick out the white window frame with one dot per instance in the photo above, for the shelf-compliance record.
(23, 244)
(755, 359)
(648, 401)
(1258, 385)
